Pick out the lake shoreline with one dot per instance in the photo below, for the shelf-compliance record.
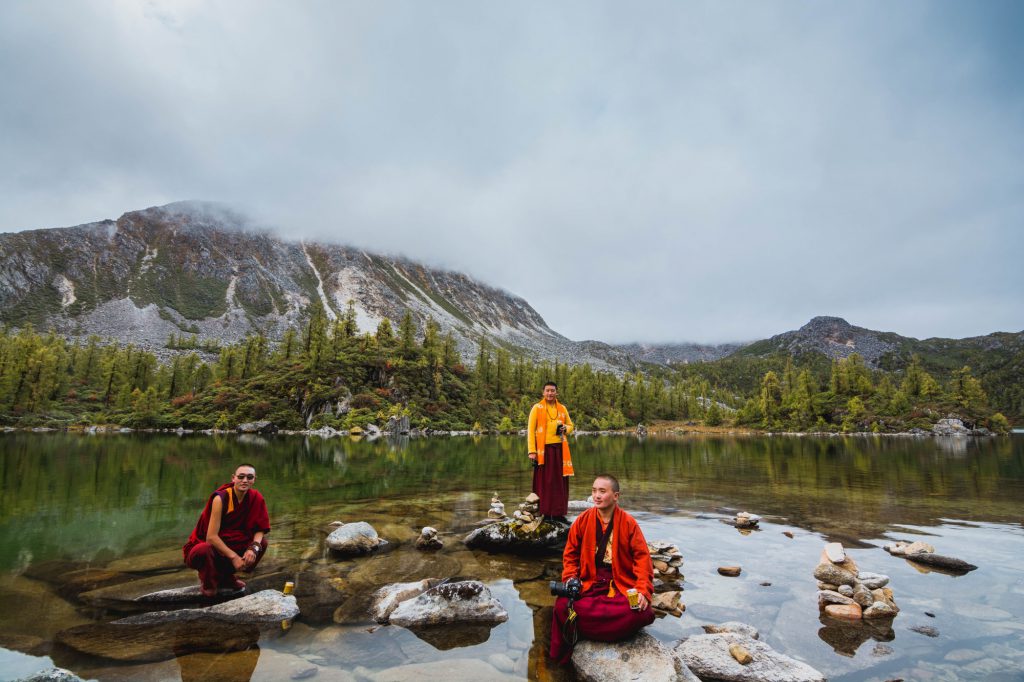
(651, 432)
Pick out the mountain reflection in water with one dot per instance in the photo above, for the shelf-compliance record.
(123, 504)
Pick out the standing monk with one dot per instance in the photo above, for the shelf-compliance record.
(607, 552)
(549, 449)
(230, 533)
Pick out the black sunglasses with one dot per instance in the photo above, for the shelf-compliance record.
(243, 477)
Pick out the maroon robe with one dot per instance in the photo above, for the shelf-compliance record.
(238, 527)
(550, 485)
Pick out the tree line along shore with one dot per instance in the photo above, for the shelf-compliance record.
(331, 373)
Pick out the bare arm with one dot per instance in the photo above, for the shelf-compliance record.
(213, 534)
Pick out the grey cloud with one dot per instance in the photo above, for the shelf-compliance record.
(668, 171)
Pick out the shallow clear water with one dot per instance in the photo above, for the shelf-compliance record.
(126, 503)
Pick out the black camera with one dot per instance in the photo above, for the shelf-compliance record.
(570, 589)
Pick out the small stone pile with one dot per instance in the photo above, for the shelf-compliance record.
(666, 559)
(528, 514)
(746, 520)
(846, 593)
(497, 510)
(428, 539)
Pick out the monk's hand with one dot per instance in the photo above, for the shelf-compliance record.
(533, 456)
(642, 600)
(249, 559)
(237, 562)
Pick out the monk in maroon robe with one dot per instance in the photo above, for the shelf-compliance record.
(230, 533)
(607, 551)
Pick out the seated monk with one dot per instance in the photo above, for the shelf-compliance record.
(607, 552)
(230, 533)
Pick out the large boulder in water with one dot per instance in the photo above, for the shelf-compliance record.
(268, 606)
(517, 538)
(157, 636)
(467, 601)
(641, 657)
(708, 656)
(354, 539)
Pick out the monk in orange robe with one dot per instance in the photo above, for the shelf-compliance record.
(548, 447)
(607, 551)
(230, 533)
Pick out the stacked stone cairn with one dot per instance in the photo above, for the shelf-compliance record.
(497, 510)
(667, 579)
(746, 520)
(846, 593)
(428, 539)
(528, 515)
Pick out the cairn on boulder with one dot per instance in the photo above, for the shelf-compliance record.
(667, 579)
(847, 593)
(527, 532)
(744, 521)
(428, 539)
(497, 510)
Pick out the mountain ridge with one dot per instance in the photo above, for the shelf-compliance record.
(200, 268)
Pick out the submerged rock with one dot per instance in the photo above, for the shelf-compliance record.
(466, 601)
(449, 670)
(708, 657)
(510, 536)
(641, 657)
(159, 641)
(946, 563)
(354, 539)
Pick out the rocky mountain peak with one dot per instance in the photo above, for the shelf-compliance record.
(200, 268)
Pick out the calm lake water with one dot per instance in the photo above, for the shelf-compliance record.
(126, 503)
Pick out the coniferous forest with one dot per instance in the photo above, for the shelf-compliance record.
(331, 373)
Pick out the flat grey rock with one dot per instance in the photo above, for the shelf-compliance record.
(826, 597)
(467, 601)
(873, 581)
(733, 626)
(708, 657)
(641, 657)
(268, 606)
(835, 552)
(387, 598)
(353, 539)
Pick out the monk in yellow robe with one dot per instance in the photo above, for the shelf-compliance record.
(548, 446)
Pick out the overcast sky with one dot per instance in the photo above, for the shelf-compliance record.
(652, 171)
